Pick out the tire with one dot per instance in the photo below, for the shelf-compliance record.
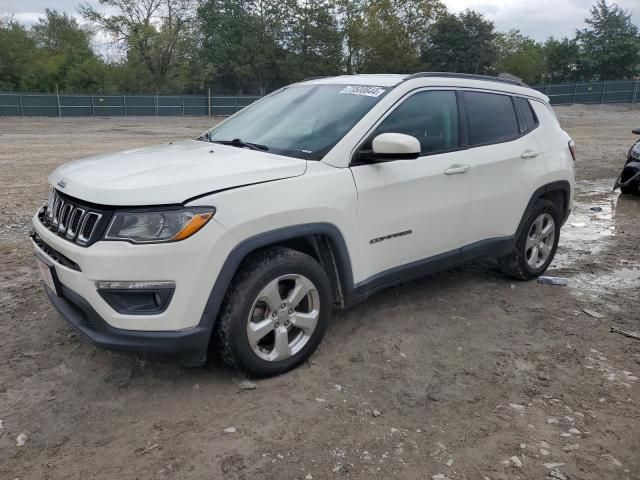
(521, 262)
(252, 328)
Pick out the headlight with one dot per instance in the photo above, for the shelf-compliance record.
(160, 226)
(635, 151)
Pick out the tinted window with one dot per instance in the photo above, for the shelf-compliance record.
(525, 115)
(431, 117)
(492, 118)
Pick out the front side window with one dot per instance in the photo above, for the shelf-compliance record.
(303, 121)
(492, 118)
(431, 117)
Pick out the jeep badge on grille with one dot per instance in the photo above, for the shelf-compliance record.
(62, 183)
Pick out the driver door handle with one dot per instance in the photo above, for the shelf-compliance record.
(456, 169)
(529, 154)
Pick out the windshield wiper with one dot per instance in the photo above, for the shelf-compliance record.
(236, 142)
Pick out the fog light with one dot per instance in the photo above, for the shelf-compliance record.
(133, 285)
(137, 297)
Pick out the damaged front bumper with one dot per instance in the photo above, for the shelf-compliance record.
(630, 176)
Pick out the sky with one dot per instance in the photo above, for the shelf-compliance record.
(538, 19)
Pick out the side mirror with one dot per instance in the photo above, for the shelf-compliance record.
(387, 147)
(636, 131)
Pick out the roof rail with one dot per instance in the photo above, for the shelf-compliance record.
(512, 77)
(312, 78)
(502, 79)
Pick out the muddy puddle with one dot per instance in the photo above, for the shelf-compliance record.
(588, 252)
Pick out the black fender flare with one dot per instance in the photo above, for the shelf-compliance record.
(264, 239)
(561, 185)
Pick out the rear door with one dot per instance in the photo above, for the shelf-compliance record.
(506, 162)
(409, 210)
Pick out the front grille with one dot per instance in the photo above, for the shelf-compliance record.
(72, 219)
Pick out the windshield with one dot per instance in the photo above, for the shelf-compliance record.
(303, 121)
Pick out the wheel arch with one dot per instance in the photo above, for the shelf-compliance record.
(322, 241)
(558, 192)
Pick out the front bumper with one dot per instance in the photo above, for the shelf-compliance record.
(190, 345)
(630, 175)
(192, 265)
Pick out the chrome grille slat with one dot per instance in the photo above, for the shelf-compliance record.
(78, 214)
(65, 213)
(70, 219)
(58, 204)
(50, 201)
(84, 237)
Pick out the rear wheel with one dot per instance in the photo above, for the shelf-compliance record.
(275, 313)
(537, 243)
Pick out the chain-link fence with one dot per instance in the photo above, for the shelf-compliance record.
(623, 91)
(53, 105)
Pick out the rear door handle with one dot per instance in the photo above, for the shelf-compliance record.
(455, 169)
(529, 154)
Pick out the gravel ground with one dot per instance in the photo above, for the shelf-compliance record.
(463, 375)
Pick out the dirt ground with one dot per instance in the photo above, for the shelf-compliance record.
(474, 376)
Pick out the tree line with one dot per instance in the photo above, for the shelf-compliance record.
(255, 46)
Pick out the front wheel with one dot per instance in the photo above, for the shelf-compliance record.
(275, 314)
(537, 243)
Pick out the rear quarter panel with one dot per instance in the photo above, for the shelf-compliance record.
(554, 142)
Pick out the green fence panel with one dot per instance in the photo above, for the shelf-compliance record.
(224, 105)
(592, 92)
(194, 105)
(617, 92)
(37, 105)
(10, 105)
(227, 105)
(169, 106)
(108, 105)
(66, 105)
(140, 105)
(76, 106)
(589, 93)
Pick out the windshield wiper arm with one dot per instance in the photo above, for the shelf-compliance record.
(236, 142)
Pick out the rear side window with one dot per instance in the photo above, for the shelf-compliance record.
(492, 118)
(526, 117)
(431, 117)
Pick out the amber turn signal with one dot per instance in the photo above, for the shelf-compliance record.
(198, 221)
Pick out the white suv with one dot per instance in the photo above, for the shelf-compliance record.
(312, 198)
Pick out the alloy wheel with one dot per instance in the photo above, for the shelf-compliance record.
(283, 317)
(540, 240)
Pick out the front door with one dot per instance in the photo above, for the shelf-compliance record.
(409, 210)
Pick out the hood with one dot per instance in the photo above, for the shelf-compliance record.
(169, 174)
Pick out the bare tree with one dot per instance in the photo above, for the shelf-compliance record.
(154, 32)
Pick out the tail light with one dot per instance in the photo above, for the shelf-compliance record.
(572, 149)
